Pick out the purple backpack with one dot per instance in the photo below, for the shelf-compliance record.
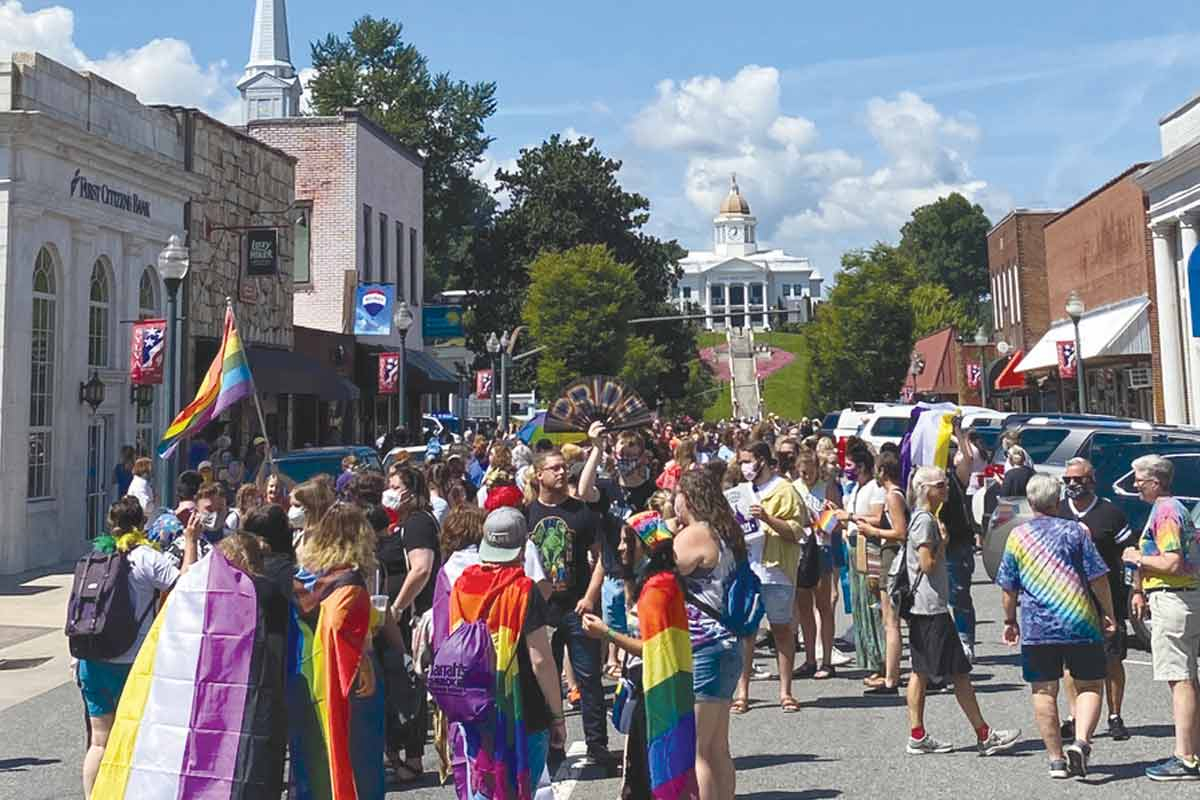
(462, 678)
(100, 614)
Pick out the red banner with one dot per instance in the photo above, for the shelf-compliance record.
(485, 380)
(148, 352)
(974, 374)
(389, 373)
(906, 393)
(1066, 359)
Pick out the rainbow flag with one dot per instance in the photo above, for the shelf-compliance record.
(667, 689)
(828, 520)
(228, 381)
(498, 750)
(202, 712)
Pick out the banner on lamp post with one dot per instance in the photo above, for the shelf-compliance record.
(148, 352)
(373, 303)
(389, 373)
(974, 375)
(485, 381)
(1066, 359)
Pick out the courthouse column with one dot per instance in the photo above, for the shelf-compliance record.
(1166, 292)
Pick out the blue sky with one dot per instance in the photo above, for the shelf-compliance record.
(837, 123)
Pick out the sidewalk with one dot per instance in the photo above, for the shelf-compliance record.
(33, 650)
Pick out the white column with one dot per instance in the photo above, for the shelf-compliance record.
(708, 323)
(1189, 230)
(766, 307)
(1166, 293)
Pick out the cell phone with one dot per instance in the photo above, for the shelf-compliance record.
(208, 521)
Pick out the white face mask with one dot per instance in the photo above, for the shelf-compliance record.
(295, 517)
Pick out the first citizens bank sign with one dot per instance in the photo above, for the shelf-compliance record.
(107, 195)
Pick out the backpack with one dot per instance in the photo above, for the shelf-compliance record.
(100, 614)
(900, 589)
(744, 610)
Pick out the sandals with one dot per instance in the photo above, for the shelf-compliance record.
(825, 673)
(790, 705)
(613, 671)
(739, 706)
(883, 689)
(874, 680)
(806, 671)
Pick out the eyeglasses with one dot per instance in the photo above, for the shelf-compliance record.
(938, 485)
(1143, 481)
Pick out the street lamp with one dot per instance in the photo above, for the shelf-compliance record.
(508, 343)
(402, 319)
(92, 392)
(1075, 311)
(981, 341)
(173, 263)
(493, 347)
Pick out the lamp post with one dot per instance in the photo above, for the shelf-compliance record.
(981, 341)
(1075, 310)
(508, 343)
(493, 347)
(173, 263)
(402, 319)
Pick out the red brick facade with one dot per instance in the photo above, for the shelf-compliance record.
(1017, 274)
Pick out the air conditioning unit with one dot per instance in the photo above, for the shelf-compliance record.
(1139, 377)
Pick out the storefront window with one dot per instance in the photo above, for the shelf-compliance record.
(98, 316)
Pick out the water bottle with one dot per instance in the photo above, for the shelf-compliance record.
(1129, 570)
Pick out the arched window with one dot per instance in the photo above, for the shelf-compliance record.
(41, 382)
(148, 294)
(98, 316)
(144, 438)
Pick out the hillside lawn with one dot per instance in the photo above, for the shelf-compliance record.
(786, 392)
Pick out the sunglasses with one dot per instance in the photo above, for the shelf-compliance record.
(1077, 479)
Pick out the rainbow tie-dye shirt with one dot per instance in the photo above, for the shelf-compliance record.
(1170, 530)
(1042, 562)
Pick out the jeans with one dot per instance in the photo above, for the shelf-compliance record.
(960, 564)
(586, 658)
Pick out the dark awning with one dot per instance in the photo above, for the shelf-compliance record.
(423, 374)
(287, 372)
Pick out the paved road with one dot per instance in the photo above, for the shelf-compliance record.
(840, 745)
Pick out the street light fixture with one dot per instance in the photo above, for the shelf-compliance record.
(493, 347)
(173, 263)
(508, 343)
(402, 320)
(92, 392)
(1075, 309)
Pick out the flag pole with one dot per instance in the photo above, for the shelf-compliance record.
(262, 422)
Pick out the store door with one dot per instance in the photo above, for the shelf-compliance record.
(99, 457)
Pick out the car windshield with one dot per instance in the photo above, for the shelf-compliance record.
(889, 426)
(1040, 443)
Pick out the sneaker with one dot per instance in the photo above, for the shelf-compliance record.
(758, 673)
(1173, 769)
(1058, 769)
(1077, 754)
(1067, 730)
(920, 747)
(1117, 729)
(840, 659)
(998, 741)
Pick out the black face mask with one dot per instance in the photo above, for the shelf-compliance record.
(787, 462)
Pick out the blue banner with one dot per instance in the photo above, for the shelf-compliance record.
(441, 322)
(373, 304)
(1193, 272)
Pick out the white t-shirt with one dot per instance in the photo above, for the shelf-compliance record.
(149, 572)
(865, 499)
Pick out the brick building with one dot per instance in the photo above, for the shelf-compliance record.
(1020, 314)
(1100, 248)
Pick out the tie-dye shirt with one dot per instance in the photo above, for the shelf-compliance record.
(1170, 530)
(1042, 562)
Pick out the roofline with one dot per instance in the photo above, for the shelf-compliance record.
(236, 130)
(1187, 105)
(1135, 168)
(1023, 212)
(344, 116)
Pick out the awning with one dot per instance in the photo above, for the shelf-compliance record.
(937, 377)
(287, 372)
(1119, 329)
(1009, 378)
(423, 373)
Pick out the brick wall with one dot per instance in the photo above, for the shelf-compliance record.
(1035, 310)
(1017, 276)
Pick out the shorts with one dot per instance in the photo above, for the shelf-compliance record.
(934, 646)
(886, 556)
(779, 600)
(1042, 663)
(1175, 634)
(102, 683)
(612, 604)
(715, 672)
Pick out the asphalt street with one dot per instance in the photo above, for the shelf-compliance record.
(840, 745)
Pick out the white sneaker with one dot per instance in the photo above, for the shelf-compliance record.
(998, 741)
(840, 659)
(920, 747)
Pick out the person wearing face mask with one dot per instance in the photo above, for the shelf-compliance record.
(1111, 534)
(774, 557)
(308, 502)
(211, 511)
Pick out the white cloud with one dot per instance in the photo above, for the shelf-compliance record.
(160, 71)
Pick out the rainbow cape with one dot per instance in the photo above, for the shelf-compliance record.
(202, 712)
(227, 381)
(498, 751)
(667, 689)
(334, 697)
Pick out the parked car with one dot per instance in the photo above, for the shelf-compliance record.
(300, 465)
(886, 423)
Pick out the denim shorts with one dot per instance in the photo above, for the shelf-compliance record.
(715, 672)
(102, 683)
(779, 600)
(612, 604)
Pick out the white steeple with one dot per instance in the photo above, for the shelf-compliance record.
(270, 87)
(733, 227)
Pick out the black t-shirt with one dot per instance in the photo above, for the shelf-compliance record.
(420, 532)
(563, 534)
(1111, 534)
(1015, 481)
(620, 503)
(959, 528)
(535, 709)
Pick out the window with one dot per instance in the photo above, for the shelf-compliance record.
(1041, 443)
(143, 435)
(786, 289)
(41, 382)
(302, 245)
(98, 299)
(687, 293)
(383, 248)
(148, 294)
(399, 259)
(718, 294)
(368, 265)
(414, 298)
(756, 294)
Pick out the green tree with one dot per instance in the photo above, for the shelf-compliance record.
(373, 69)
(935, 308)
(700, 391)
(947, 242)
(578, 307)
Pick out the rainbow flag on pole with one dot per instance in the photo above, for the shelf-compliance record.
(228, 381)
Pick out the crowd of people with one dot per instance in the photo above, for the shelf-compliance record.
(660, 560)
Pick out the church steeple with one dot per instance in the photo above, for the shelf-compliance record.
(270, 87)
(733, 227)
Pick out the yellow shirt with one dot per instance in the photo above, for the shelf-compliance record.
(784, 503)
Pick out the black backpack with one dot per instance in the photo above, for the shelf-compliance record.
(100, 616)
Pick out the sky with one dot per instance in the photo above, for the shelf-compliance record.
(837, 124)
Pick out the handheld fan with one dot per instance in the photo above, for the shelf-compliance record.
(600, 398)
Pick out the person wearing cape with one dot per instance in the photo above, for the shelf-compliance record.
(660, 754)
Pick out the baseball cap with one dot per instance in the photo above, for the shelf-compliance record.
(259, 440)
(204, 465)
(504, 534)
